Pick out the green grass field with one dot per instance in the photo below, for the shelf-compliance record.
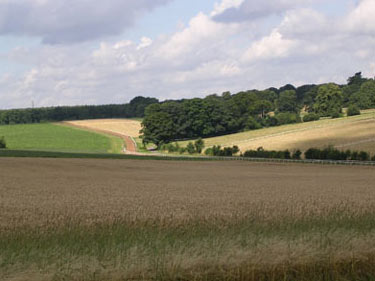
(53, 137)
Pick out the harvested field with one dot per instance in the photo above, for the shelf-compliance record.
(125, 127)
(71, 219)
(355, 133)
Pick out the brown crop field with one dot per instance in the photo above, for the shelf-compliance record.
(355, 133)
(125, 127)
(72, 219)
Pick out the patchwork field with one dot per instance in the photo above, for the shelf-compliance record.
(70, 219)
(52, 137)
(125, 127)
(355, 133)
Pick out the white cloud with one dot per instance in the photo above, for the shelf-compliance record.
(196, 40)
(204, 57)
(362, 19)
(145, 42)
(250, 10)
(67, 21)
(225, 5)
(272, 46)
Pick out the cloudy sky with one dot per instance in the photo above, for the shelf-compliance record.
(69, 52)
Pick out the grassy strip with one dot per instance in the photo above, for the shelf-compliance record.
(56, 154)
(313, 248)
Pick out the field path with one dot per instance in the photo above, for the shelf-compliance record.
(130, 144)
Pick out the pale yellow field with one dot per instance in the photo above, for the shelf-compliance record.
(123, 127)
(356, 133)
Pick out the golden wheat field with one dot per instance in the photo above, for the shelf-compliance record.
(126, 127)
(71, 219)
(355, 133)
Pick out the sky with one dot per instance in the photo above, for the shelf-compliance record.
(74, 52)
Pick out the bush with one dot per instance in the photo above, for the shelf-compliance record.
(287, 118)
(297, 154)
(311, 117)
(353, 110)
(330, 153)
(272, 154)
(335, 114)
(199, 145)
(190, 148)
(252, 124)
(170, 147)
(363, 156)
(269, 121)
(218, 151)
(373, 158)
(2, 143)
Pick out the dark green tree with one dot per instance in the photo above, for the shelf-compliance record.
(353, 110)
(287, 102)
(2, 143)
(190, 148)
(365, 97)
(199, 145)
(329, 100)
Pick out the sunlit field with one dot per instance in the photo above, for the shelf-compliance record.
(355, 133)
(128, 127)
(54, 137)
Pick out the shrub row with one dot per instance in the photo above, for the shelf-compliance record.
(331, 153)
(2, 143)
(192, 148)
(272, 154)
(226, 151)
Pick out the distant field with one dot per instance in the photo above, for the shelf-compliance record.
(105, 220)
(52, 137)
(356, 133)
(128, 127)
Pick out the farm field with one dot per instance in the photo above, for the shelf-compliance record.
(127, 129)
(53, 137)
(355, 133)
(166, 220)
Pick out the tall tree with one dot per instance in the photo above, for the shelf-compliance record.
(287, 102)
(365, 97)
(329, 100)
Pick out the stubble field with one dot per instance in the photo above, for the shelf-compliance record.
(355, 133)
(71, 219)
(126, 127)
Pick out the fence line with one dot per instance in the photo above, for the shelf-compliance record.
(271, 160)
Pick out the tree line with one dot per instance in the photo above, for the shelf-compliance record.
(134, 109)
(228, 113)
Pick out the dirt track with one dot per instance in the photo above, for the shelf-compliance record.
(131, 147)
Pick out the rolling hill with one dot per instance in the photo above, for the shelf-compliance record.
(355, 133)
(56, 137)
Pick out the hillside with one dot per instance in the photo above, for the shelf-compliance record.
(356, 133)
(53, 137)
(126, 127)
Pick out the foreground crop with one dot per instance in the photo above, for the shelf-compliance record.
(150, 220)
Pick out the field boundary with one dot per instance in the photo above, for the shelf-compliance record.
(130, 146)
(48, 154)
